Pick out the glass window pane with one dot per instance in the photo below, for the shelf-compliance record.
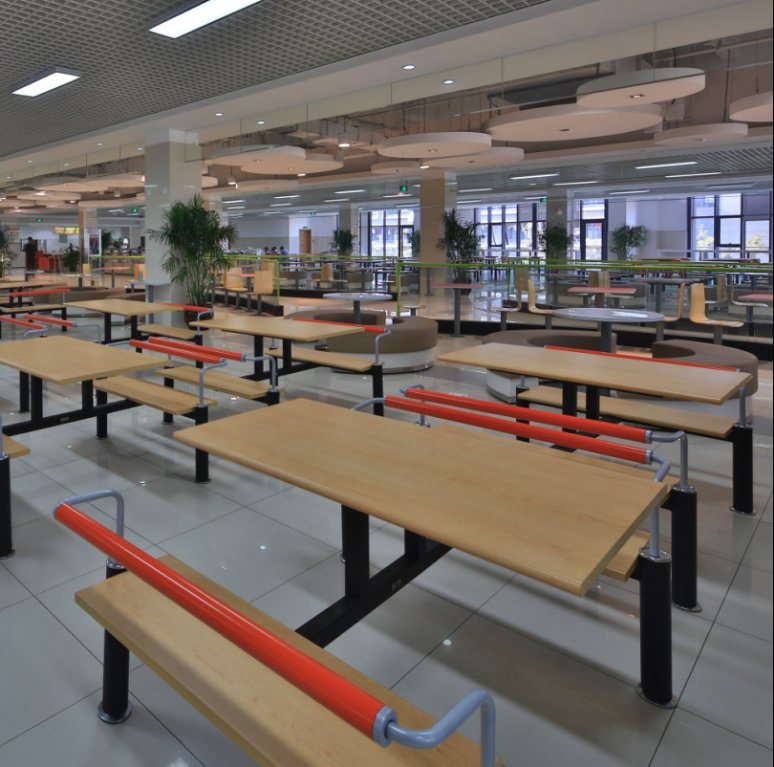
(511, 237)
(525, 211)
(482, 215)
(511, 213)
(496, 214)
(495, 236)
(391, 217)
(407, 217)
(593, 209)
(730, 204)
(391, 240)
(756, 235)
(703, 206)
(730, 231)
(703, 233)
(377, 241)
(525, 236)
(756, 204)
(377, 217)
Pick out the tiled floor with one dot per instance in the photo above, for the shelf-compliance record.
(562, 669)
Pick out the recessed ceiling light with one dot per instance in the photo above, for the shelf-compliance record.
(64, 165)
(448, 82)
(666, 165)
(100, 143)
(574, 183)
(286, 196)
(44, 83)
(344, 145)
(409, 67)
(399, 194)
(300, 175)
(533, 198)
(537, 175)
(350, 191)
(218, 114)
(140, 149)
(200, 16)
(343, 199)
(260, 122)
(423, 167)
(636, 95)
(29, 161)
(468, 201)
(232, 202)
(689, 175)
(632, 191)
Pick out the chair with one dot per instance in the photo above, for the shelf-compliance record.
(234, 283)
(532, 306)
(263, 284)
(506, 310)
(749, 308)
(698, 314)
(676, 317)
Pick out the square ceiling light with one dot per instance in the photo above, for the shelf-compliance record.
(47, 81)
(200, 16)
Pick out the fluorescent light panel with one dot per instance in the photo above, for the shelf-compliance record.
(632, 191)
(666, 165)
(286, 196)
(350, 191)
(575, 183)
(200, 16)
(46, 83)
(470, 191)
(691, 175)
(537, 175)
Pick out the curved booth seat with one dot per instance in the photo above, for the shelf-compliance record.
(504, 386)
(711, 354)
(409, 347)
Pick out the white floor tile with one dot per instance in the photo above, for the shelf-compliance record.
(551, 709)
(731, 684)
(248, 553)
(748, 605)
(44, 668)
(77, 738)
(759, 553)
(34, 496)
(11, 591)
(694, 742)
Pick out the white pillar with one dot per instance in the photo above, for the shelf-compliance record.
(172, 173)
(88, 226)
(436, 195)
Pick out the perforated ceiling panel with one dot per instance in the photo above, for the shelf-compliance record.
(129, 72)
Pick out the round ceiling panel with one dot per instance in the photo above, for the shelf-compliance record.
(209, 181)
(394, 168)
(646, 86)
(98, 184)
(41, 196)
(496, 157)
(753, 109)
(431, 145)
(13, 203)
(255, 185)
(568, 122)
(701, 135)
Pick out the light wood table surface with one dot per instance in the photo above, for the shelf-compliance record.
(640, 376)
(64, 360)
(275, 327)
(511, 507)
(124, 308)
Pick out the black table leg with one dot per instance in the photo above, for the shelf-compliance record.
(257, 352)
(107, 335)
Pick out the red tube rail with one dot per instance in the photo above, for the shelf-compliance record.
(208, 359)
(367, 328)
(187, 307)
(23, 323)
(355, 706)
(577, 441)
(50, 320)
(641, 359)
(171, 342)
(38, 292)
(632, 433)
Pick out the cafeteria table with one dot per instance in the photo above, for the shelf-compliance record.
(605, 319)
(458, 287)
(125, 308)
(601, 294)
(533, 511)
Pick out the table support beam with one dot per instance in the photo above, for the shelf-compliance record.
(743, 454)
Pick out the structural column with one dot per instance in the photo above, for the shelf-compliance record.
(88, 227)
(436, 195)
(172, 173)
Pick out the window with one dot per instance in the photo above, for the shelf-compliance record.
(508, 229)
(388, 233)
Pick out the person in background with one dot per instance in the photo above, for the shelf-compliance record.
(30, 251)
(259, 251)
(273, 250)
(282, 251)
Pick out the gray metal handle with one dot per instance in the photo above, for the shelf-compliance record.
(378, 344)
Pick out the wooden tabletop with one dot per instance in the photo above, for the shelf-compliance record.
(762, 297)
(641, 376)
(21, 285)
(64, 360)
(584, 289)
(509, 506)
(124, 307)
(275, 327)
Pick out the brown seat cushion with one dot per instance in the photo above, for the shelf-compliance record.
(408, 334)
(573, 339)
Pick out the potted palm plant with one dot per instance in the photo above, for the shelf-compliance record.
(195, 237)
(624, 239)
(460, 243)
(343, 242)
(555, 241)
(5, 253)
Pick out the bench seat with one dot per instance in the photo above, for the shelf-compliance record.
(31, 308)
(215, 379)
(328, 359)
(154, 395)
(181, 334)
(269, 718)
(14, 449)
(638, 411)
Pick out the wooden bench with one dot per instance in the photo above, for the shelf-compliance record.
(218, 381)
(270, 719)
(638, 411)
(167, 331)
(153, 395)
(327, 359)
(170, 401)
(10, 449)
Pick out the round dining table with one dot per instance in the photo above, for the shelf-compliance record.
(605, 319)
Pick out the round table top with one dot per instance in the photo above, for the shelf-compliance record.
(596, 314)
(623, 291)
(756, 297)
(458, 285)
(363, 297)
